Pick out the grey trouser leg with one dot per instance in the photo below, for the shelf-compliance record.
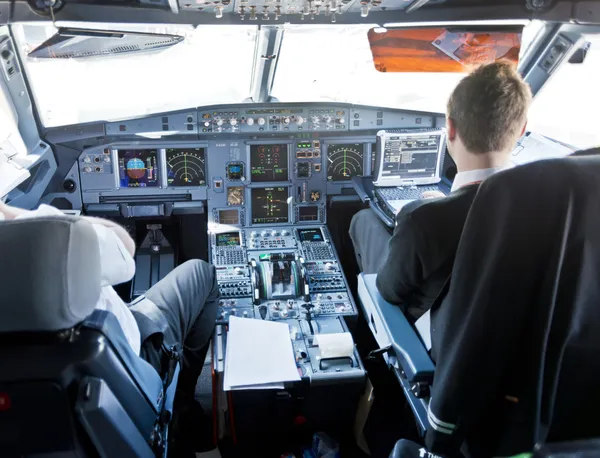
(370, 237)
(188, 297)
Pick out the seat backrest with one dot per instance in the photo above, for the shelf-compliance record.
(49, 273)
(69, 380)
(519, 331)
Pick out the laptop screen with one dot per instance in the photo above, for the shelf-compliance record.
(408, 157)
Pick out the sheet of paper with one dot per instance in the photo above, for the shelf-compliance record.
(423, 325)
(265, 386)
(258, 353)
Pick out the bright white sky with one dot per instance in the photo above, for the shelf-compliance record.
(316, 63)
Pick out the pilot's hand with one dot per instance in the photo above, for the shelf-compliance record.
(433, 194)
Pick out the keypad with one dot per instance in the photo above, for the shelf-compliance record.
(412, 193)
(229, 256)
(318, 252)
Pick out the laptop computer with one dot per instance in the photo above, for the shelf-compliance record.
(407, 163)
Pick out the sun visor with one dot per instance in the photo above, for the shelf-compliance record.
(443, 49)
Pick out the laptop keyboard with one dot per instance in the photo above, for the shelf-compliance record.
(412, 193)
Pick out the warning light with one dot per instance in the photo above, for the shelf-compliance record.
(4, 402)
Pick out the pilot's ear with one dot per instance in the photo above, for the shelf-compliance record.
(524, 129)
(451, 129)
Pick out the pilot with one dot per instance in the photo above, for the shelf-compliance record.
(182, 307)
(486, 115)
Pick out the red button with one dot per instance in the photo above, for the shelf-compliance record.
(4, 402)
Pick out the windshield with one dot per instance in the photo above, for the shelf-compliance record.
(189, 74)
(565, 109)
(316, 63)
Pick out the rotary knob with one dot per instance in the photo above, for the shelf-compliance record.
(253, 234)
(286, 120)
(315, 120)
(87, 169)
(250, 121)
(206, 123)
(327, 119)
(264, 233)
(233, 121)
(274, 233)
(219, 122)
(261, 121)
(341, 120)
(300, 120)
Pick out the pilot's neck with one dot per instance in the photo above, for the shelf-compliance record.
(493, 160)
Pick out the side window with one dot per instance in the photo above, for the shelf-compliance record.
(566, 109)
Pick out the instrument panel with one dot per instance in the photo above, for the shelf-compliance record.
(247, 165)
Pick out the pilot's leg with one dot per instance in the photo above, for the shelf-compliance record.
(370, 237)
(188, 297)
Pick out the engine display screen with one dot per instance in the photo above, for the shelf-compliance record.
(270, 205)
(268, 163)
(310, 235)
(138, 168)
(229, 217)
(228, 239)
(186, 167)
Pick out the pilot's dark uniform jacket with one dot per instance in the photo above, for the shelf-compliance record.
(519, 330)
(422, 250)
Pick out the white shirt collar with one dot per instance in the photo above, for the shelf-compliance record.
(473, 176)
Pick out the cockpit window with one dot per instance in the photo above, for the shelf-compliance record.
(566, 109)
(335, 63)
(214, 65)
(192, 73)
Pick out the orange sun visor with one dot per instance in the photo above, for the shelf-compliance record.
(448, 50)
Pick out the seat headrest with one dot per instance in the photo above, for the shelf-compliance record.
(49, 273)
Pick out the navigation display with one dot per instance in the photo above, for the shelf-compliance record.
(228, 239)
(310, 235)
(138, 168)
(270, 205)
(186, 167)
(345, 161)
(410, 156)
(268, 163)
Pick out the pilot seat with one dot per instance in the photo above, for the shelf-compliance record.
(70, 384)
(516, 335)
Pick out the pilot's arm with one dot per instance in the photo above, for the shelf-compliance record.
(402, 271)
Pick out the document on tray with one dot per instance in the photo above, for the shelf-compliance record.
(259, 355)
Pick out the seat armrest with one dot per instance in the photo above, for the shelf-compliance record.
(389, 320)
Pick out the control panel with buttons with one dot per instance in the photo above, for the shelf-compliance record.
(279, 273)
(271, 239)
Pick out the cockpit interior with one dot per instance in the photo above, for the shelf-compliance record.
(248, 134)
